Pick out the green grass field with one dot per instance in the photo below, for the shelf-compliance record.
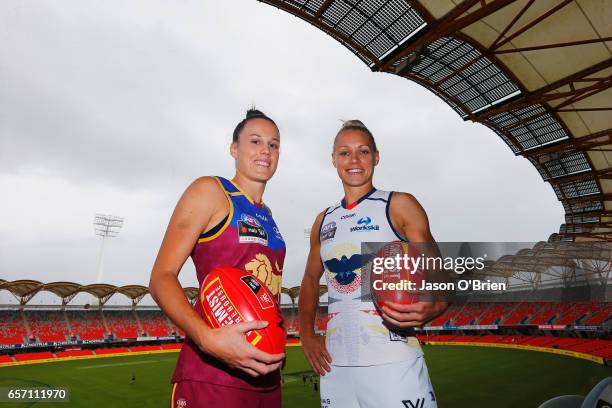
(462, 377)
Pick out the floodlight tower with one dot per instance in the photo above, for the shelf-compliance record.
(106, 226)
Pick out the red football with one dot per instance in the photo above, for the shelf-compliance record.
(391, 279)
(230, 295)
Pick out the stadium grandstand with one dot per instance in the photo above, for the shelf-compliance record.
(546, 307)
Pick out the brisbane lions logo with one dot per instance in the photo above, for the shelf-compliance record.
(262, 269)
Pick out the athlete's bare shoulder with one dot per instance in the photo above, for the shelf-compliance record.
(319, 217)
(206, 190)
(406, 202)
(202, 202)
(205, 185)
(408, 216)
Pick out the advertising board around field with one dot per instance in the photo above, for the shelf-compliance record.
(552, 326)
(588, 328)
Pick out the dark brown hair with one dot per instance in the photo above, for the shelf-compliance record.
(250, 115)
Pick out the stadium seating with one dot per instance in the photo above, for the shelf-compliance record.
(574, 312)
(34, 356)
(47, 325)
(114, 350)
(122, 324)
(469, 314)
(446, 316)
(154, 323)
(601, 315)
(74, 353)
(145, 348)
(86, 324)
(522, 313)
(55, 325)
(497, 312)
(12, 329)
(174, 346)
(548, 313)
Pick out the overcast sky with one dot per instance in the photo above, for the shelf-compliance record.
(115, 107)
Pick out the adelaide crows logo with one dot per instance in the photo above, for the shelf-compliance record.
(344, 273)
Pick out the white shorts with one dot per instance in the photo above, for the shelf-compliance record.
(404, 384)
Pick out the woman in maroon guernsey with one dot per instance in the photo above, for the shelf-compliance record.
(218, 367)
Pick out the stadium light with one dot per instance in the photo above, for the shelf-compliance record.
(106, 226)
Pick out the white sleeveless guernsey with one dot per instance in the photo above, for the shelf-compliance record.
(356, 335)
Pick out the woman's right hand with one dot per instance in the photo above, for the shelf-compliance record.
(316, 353)
(229, 345)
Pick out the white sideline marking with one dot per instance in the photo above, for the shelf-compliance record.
(117, 364)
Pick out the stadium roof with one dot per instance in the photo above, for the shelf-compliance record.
(556, 263)
(538, 73)
(24, 290)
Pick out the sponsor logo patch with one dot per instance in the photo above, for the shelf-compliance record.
(181, 403)
(397, 337)
(365, 224)
(250, 230)
(328, 231)
(265, 301)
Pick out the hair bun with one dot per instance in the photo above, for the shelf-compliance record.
(353, 123)
(254, 113)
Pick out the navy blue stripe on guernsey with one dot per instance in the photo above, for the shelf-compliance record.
(369, 193)
(377, 199)
(335, 208)
(322, 221)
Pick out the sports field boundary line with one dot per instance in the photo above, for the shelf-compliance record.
(93, 356)
(89, 357)
(569, 353)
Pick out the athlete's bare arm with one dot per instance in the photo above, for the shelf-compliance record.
(202, 206)
(313, 345)
(410, 219)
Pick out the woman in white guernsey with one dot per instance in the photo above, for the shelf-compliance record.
(364, 360)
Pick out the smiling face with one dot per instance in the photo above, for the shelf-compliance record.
(354, 157)
(257, 150)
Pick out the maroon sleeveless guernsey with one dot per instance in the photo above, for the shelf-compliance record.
(247, 239)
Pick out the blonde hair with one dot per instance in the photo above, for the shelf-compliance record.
(356, 124)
